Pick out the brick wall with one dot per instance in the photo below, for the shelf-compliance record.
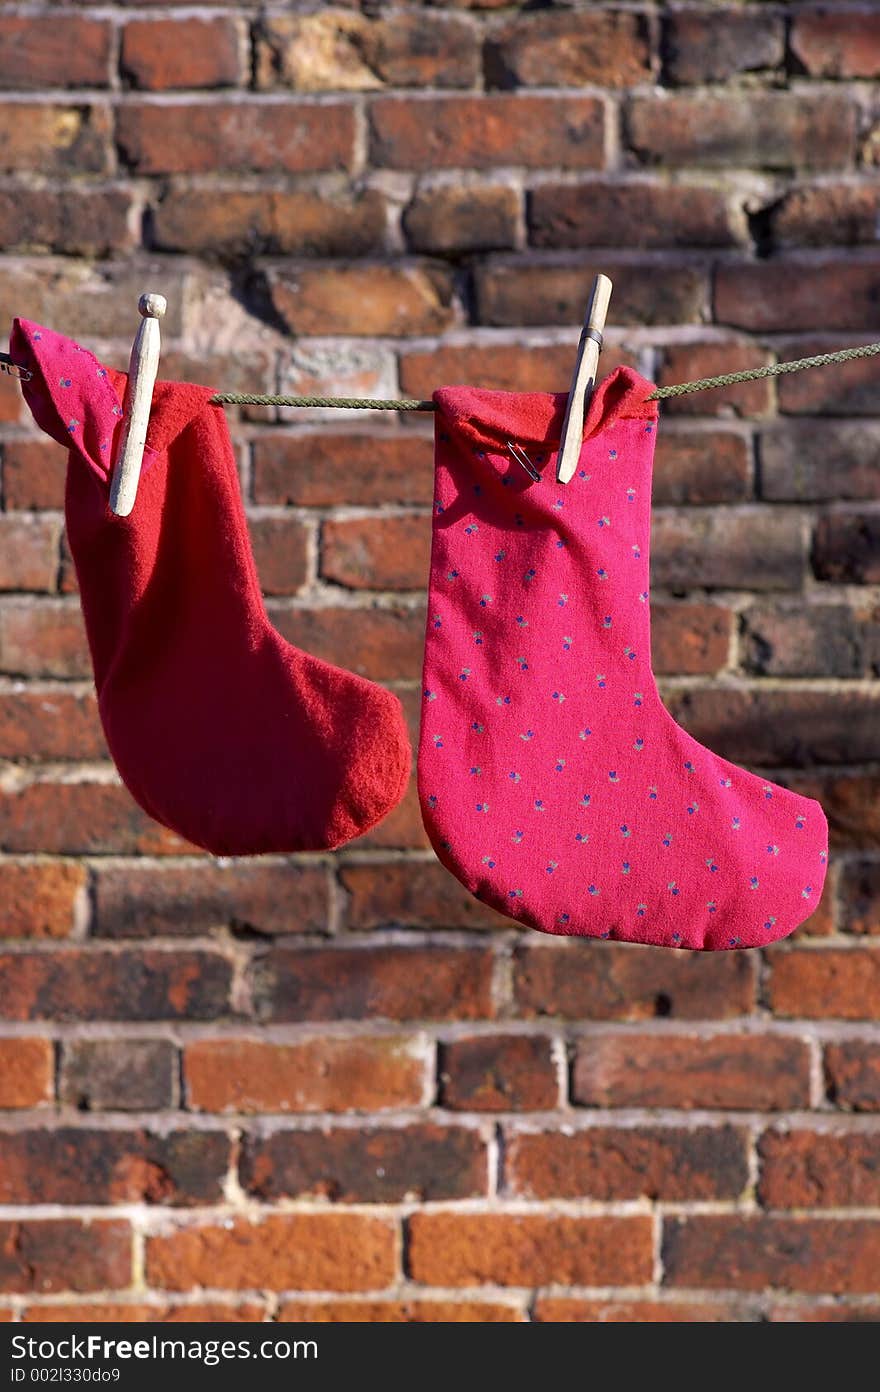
(336, 1085)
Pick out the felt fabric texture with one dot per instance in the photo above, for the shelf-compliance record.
(553, 782)
(220, 729)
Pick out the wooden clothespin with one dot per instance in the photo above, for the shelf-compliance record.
(142, 368)
(584, 379)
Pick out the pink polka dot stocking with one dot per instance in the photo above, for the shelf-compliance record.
(554, 784)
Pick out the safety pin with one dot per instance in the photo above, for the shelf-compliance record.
(518, 453)
(7, 365)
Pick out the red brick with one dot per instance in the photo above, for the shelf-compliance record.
(12, 405)
(608, 48)
(40, 898)
(75, 1166)
(367, 1165)
(43, 639)
(800, 1313)
(171, 900)
(95, 985)
(721, 549)
(605, 1163)
(33, 470)
(377, 553)
(364, 300)
(397, 1312)
(479, 132)
(689, 362)
(158, 54)
(499, 1073)
(506, 1249)
(196, 1312)
(55, 1255)
(860, 897)
(85, 297)
(27, 1069)
(125, 1075)
(234, 223)
(49, 724)
(846, 547)
(731, 1072)
(280, 546)
(819, 1169)
(561, 1309)
(620, 982)
(813, 640)
(837, 42)
(309, 1075)
(383, 644)
(848, 389)
(787, 295)
(396, 983)
(56, 138)
(852, 1074)
(773, 130)
(514, 293)
(305, 1251)
(333, 52)
(28, 552)
(850, 801)
(713, 46)
(698, 466)
(769, 725)
(319, 468)
(462, 218)
(413, 894)
(635, 213)
(182, 137)
(738, 1251)
(825, 215)
(93, 223)
(498, 366)
(690, 638)
(795, 454)
(54, 50)
(812, 984)
(80, 819)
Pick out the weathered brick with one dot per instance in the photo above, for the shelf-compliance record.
(813, 984)
(846, 389)
(280, 547)
(701, 467)
(159, 54)
(852, 1074)
(850, 801)
(28, 552)
(82, 985)
(33, 469)
(796, 460)
(54, 50)
(397, 983)
(41, 899)
(125, 1075)
(43, 639)
(774, 130)
(689, 639)
(453, 218)
(619, 982)
(813, 640)
(635, 213)
(335, 51)
(377, 553)
(481, 132)
(93, 223)
(773, 725)
(744, 1252)
(846, 547)
(235, 223)
(609, 47)
(514, 293)
(397, 1312)
(56, 138)
(499, 1073)
(181, 137)
(364, 300)
(799, 1312)
(133, 901)
(193, 1312)
(39, 724)
(80, 819)
(507, 1249)
(715, 45)
(763, 546)
(731, 1072)
(825, 215)
(497, 366)
(305, 1251)
(27, 1069)
(819, 1169)
(367, 1165)
(860, 897)
(415, 894)
(611, 1163)
(383, 644)
(84, 296)
(75, 1166)
(319, 468)
(561, 1309)
(786, 294)
(837, 42)
(310, 1075)
(47, 1256)
(689, 362)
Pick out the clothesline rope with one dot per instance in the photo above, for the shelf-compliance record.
(726, 379)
